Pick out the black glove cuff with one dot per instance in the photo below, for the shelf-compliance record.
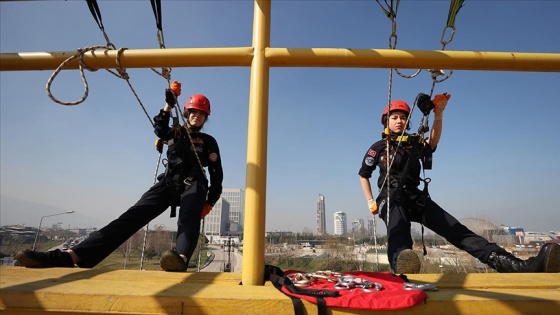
(170, 98)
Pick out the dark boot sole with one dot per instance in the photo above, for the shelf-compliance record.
(28, 261)
(55, 258)
(552, 261)
(172, 262)
(408, 262)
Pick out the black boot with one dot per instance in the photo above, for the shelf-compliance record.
(172, 261)
(53, 258)
(548, 260)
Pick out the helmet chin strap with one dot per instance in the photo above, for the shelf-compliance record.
(192, 128)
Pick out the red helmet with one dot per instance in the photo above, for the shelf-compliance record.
(395, 105)
(198, 101)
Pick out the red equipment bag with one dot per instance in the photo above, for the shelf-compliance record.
(356, 290)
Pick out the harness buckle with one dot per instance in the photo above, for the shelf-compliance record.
(188, 181)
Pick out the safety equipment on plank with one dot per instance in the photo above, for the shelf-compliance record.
(359, 290)
(206, 210)
(440, 101)
(395, 105)
(199, 102)
(372, 205)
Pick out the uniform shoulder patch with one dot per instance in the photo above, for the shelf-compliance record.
(372, 153)
(213, 157)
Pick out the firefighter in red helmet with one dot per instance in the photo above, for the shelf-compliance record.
(183, 184)
(401, 158)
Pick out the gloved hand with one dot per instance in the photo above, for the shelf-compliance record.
(372, 206)
(207, 208)
(176, 87)
(440, 101)
(170, 98)
(172, 93)
(159, 145)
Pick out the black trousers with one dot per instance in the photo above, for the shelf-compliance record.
(405, 210)
(154, 202)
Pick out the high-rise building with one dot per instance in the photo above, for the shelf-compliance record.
(217, 222)
(340, 225)
(236, 199)
(321, 219)
(226, 218)
(370, 227)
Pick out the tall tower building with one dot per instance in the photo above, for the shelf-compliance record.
(321, 219)
(340, 225)
(370, 226)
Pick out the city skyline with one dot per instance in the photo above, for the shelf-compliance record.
(26, 213)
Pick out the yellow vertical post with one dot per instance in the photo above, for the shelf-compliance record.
(255, 193)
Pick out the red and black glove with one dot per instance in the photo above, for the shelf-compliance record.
(207, 208)
(172, 93)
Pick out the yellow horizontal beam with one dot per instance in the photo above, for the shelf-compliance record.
(130, 58)
(93, 291)
(288, 57)
(414, 59)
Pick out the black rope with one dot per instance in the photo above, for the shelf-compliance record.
(156, 7)
(94, 9)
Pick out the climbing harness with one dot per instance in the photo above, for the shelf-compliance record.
(422, 101)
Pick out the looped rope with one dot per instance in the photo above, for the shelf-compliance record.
(81, 64)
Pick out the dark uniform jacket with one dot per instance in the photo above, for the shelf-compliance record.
(183, 163)
(376, 155)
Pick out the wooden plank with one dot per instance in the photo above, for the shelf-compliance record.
(89, 291)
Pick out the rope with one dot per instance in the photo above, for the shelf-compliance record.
(124, 75)
(375, 244)
(81, 64)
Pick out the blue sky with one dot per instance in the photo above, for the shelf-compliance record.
(497, 159)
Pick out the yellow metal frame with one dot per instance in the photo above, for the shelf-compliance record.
(260, 57)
